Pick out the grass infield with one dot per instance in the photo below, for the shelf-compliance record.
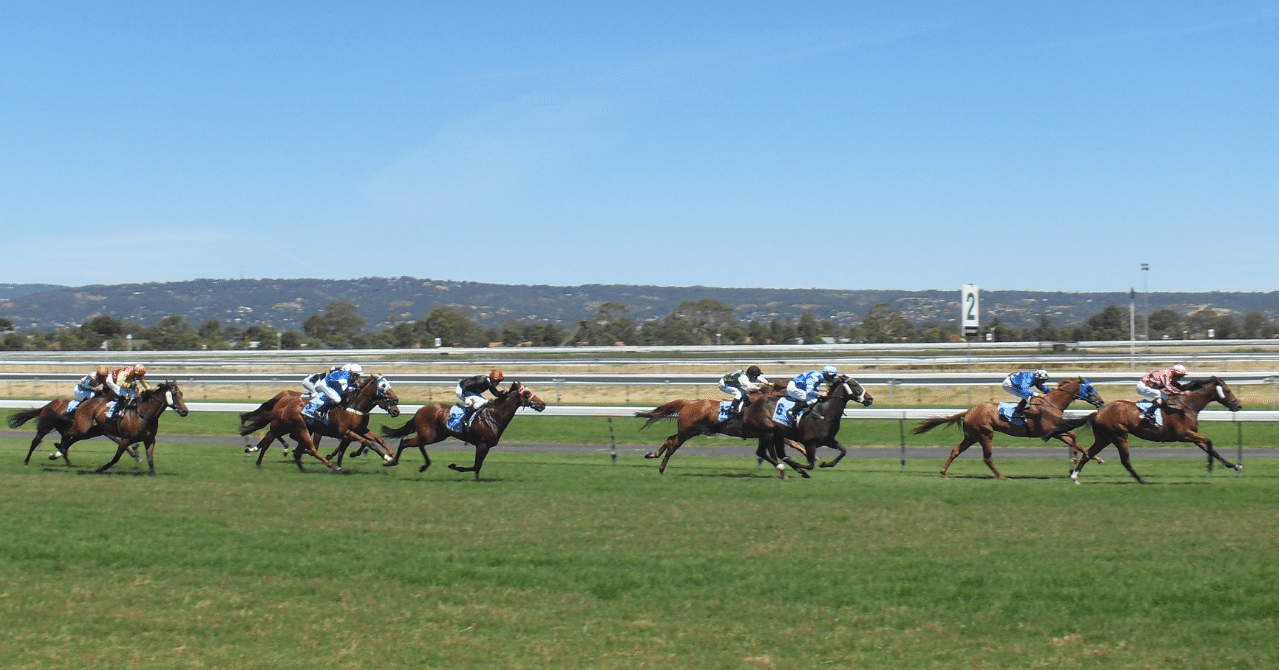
(561, 561)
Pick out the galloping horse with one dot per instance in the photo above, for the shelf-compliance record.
(1114, 422)
(701, 417)
(128, 427)
(52, 416)
(810, 431)
(430, 425)
(981, 422)
(284, 414)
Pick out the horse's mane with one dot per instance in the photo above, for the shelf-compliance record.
(165, 385)
(1200, 383)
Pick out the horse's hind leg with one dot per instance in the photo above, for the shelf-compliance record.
(665, 448)
(35, 442)
(960, 448)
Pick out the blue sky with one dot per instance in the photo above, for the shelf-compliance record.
(916, 145)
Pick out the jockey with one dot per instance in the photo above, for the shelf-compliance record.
(125, 383)
(733, 384)
(803, 389)
(89, 386)
(470, 391)
(310, 382)
(1025, 385)
(333, 387)
(1158, 385)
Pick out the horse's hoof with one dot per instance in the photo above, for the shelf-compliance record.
(55, 455)
(804, 474)
(337, 468)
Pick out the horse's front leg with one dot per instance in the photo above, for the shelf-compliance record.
(481, 451)
(304, 443)
(119, 451)
(1206, 444)
(833, 444)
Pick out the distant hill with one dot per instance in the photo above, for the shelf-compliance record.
(286, 303)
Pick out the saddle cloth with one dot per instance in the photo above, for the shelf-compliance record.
(1144, 405)
(1006, 410)
(312, 409)
(782, 413)
(724, 412)
(455, 419)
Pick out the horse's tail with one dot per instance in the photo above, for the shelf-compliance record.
(929, 424)
(407, 428)
(16, 420)
(668, 411)
(1066, 425)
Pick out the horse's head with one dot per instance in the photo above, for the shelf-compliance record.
(854, 390)
(173, 397)
(1083, 390)
(1223, 394)
(386, 398)
(527, 397)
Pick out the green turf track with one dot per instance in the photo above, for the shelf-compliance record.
(559, 561)
(626, 430)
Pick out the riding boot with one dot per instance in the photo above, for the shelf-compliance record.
(1019, 413)
(736, 407)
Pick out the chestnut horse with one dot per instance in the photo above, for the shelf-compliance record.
(129, 426)
(811, 431)
(284, 415)
(1115, 422)
(981, 422)
(701, 417)
(430, 425)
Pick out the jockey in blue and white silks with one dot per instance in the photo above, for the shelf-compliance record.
(334, 386)
(313, 379)
(803, 389)
(89, 386)
(741, 383)
(1025, 385)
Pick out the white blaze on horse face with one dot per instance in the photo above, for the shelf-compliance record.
(1221, 392)
(168, 396)
(860, 396)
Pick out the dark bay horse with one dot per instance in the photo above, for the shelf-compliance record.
(812, 431)
(981, 422)
(1113, 424)
(135, 424)
(430, 425)
(283, 414)
(52, 416)
(701, 417)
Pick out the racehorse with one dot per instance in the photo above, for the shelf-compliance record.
(284, 415)
(128, 426)
(1113, 424)
(52, 416)
(981, 422)
(814, 429)
(701, 417)
(430, 425)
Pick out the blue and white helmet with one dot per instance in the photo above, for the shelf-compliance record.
(830, 371)
(353, 367)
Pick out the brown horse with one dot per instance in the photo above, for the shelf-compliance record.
(1116, 421)
(981, 422)
(813, 430)
(129, 426)
(430, 425)
(701, 417)
(52, 416)
(283, 414)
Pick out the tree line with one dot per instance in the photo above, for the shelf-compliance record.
(705, 321)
